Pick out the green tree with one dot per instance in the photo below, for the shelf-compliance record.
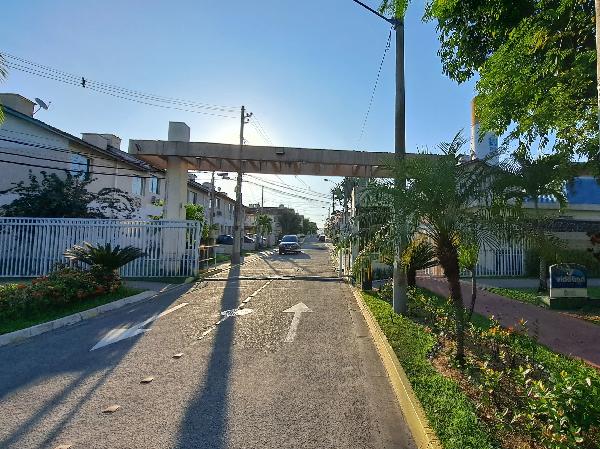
(290, 221)
(308, 227)
(264, 224)
(536, 63)
(468, 256)
(67, 197)
(445, 208)
(194, 212)
(527, 178)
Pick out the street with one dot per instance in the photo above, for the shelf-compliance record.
(289, 365)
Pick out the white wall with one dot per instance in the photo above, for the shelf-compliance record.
(62, 150)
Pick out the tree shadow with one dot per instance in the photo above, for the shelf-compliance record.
(205, 422)
(66, 353)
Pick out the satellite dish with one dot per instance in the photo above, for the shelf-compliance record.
(41, 103)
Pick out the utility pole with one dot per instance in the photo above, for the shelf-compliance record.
(237, 214)
(400, 301)
(211, 218)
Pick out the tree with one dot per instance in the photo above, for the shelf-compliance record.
(308, 227)
(536, 62)
(194, 212)
(264, 224)
(528, 178)
(445, 208)
(67, 197)
(290, 221)
(468, 255)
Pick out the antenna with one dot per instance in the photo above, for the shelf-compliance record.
(41, 105)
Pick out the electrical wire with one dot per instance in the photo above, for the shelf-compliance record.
(112, 93)
(86, 82)
(64, 150)
(364, 124)
(284, 185)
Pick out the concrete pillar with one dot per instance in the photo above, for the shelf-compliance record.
(176, 190)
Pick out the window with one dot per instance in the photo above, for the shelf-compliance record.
(138, 186)
(192, 197)
(218, 203)
(80, 166)
(155, 185)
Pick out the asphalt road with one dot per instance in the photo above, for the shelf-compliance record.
(247, 382)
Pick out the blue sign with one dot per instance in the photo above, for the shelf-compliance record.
(568, 275)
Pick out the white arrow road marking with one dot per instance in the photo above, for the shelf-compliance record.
(119, 334)
(297, 310)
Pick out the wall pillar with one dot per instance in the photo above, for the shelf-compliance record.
(176, 189)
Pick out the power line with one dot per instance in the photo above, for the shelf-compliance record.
(64, 150)
(284, 185)
(111, 93)
(385, 52)
(86, 82)
(293, 195)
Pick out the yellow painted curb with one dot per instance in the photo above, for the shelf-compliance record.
(424, 436)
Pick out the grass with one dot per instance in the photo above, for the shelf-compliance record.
(449, 411)
(589, 312)
(12, 325)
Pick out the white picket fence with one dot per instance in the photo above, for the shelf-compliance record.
(32, 246)
(501, 260)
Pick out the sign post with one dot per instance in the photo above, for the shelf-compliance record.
(568, 286)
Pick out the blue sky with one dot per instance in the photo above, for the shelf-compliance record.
(305, 68)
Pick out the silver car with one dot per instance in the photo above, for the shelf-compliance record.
(289, 244)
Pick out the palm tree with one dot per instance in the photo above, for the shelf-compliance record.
(528, 178)
(445, 209)
(264, 225)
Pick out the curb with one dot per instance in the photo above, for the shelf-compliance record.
(412, 409)
(42, 328)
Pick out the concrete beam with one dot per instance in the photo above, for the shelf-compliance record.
(206, 156)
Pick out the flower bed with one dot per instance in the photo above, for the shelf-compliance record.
(511, 392)
(62, 292)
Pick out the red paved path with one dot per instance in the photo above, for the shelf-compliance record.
(560, 332)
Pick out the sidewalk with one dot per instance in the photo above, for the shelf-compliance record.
(558, 331)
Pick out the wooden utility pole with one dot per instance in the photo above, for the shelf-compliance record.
(597, 10)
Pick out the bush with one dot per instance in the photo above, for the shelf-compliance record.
(517, 387)
(448, 409)
(60, 288)
(582, 257)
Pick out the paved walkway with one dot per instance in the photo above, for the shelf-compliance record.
(558, 331)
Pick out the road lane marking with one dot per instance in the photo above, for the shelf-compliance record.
(297, 310)
(118, 334)
(239, 311)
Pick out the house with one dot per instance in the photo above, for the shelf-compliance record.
(31, 145)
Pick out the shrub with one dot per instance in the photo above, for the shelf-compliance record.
(104, 261)
(60, 288)
(581, 257)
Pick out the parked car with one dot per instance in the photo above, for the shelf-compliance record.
(225, 239)
(289, 244)
(321, 238)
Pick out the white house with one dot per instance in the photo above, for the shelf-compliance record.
(30, 145)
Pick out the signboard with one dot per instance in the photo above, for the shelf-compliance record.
(568, 280)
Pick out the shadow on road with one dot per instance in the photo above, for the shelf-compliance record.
(205, 422)
(40, 363)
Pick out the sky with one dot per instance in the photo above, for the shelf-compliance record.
(306, 69)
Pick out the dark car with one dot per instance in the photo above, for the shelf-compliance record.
(289, 244)
(321, 238)
(225, 239)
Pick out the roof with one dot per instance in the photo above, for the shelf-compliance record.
(115, 153)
